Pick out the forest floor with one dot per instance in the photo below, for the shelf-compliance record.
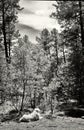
(59, 123)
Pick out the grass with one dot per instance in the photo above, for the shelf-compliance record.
(59, 123)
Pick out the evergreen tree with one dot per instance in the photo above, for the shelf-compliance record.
(70, 17)
(8, 18)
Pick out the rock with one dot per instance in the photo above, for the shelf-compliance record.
(7, 107)
(82, 117)
(60, 113)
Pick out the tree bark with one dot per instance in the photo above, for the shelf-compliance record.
(23, 95)
(51, 98)
(4, 31)
(24, 83)
(64, 54)
(81, 24)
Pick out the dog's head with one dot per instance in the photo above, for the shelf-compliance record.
(37, 110)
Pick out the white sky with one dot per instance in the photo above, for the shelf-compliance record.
(36, 14)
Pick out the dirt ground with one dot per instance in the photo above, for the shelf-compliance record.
(59, 123)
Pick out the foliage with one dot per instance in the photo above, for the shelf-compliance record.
(46, 73)
(70, 17)
(8, 18)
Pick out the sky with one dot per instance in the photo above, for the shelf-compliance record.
(35, 17)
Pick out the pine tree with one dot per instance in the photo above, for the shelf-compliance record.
(8, 18)
(70, 17)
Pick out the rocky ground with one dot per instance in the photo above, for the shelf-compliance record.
(59, 123)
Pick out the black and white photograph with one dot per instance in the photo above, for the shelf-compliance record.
(41, 65)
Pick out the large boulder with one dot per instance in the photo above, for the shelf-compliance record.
(8, 111)
(7, 107)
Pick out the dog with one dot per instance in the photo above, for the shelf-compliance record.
(34, 116)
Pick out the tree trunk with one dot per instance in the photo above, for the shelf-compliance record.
(56, 52)
(23, 95)
(34, 105)
(4, 31)
(24, 83)
(57, 59)
(51, 98)
(64, 54)
(9, 44)
(81, 24)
